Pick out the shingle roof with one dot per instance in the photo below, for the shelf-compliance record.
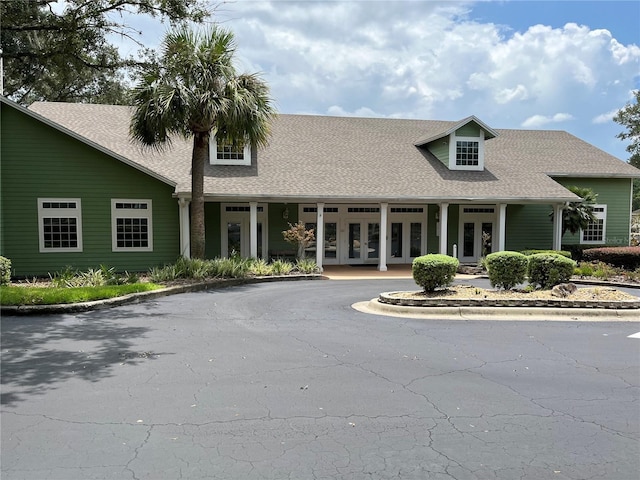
(357, 159)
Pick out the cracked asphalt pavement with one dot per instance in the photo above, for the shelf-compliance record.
(287, 381)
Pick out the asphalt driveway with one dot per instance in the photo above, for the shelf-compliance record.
(286, 380)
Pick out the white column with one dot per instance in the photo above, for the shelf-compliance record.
(185, 239)
(444, 218)
(320, 235)
(557, 226)
(382, 265)
(502, 226)
(253, 229)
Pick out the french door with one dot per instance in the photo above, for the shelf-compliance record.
(362, 242)
(476, 240)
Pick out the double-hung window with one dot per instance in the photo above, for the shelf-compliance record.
(596, 230)
(60, 224)
(131, 225)
(224, 153)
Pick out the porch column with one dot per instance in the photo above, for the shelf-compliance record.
(557, 226)
(183, 215)
(444, 217)
(502, 226)
(382, 244)
(253, 229)
(320, 235)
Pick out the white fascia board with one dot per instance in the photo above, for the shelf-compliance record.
(491, 133)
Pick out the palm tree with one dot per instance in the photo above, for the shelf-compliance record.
(192, 91)
(577, 216)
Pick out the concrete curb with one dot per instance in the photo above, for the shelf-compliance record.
(375, 307)
(143, 296)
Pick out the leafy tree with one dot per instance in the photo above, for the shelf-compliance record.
(193, 91)
(578, 215)
(629, 117)
(299, 236)
(65, 55)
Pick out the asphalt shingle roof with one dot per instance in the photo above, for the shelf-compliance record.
(358, 159)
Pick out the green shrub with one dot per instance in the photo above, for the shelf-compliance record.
(281, 267)
(623, 257)
(564, 253)
(260, 267)
(584, 269)
(5, 271)
(306, 266)
(506, 269)
(434, 271)
(548, 269)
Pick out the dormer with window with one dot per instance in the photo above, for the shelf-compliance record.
(462, 146)
(222, 152)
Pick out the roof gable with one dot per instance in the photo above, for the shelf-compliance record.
(488, 132)
(85, 140)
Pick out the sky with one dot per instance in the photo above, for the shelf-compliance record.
(557, 65)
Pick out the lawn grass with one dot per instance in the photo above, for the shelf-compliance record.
(14, 296)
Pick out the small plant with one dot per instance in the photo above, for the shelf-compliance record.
(434, 271)
(548, 269)
(306, 266)
(5, 271)
(299, 236)
(584, 269)
(260, 267)
(604, 271)
(506, 269)
(281, 267)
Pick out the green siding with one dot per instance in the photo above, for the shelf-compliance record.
(468, 130)
(277, 225)
(39, 161)
(530, 226)
(440, 149)
(616, 194)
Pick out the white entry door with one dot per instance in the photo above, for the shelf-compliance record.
(362, 242)
(476, 241)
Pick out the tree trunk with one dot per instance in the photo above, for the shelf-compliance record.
(198, 158)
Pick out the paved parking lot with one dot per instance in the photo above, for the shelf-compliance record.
(286, 380)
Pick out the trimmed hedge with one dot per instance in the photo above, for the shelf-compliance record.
(506, 269)
(623, 257)
(5, 271)
(434, 271)
(549, 269)
(564, 253)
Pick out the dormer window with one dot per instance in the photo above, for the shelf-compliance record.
(224, 153)
(467, 153)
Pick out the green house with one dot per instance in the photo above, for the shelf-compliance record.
(77, 191)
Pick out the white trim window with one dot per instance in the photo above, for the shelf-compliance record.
(596, 232)
(222, 153)
(131, 225)
(60, 224)
(466, 153)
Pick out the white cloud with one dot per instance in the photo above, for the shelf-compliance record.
(417, 59)
(604, 117)
(537, 121)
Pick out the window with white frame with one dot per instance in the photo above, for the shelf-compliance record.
(596, 230)
(60, 224)
(131, 225)
(224, 153)
(467, 153)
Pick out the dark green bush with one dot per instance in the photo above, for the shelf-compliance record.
(623, 257)
(564, 253)
(506, 269)
(5, 271)
(548, 269)
(434, 270)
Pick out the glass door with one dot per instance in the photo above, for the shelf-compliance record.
(476, 240)
(405, 242)
(363, 242)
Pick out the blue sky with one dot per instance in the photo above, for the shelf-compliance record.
(514, 64)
